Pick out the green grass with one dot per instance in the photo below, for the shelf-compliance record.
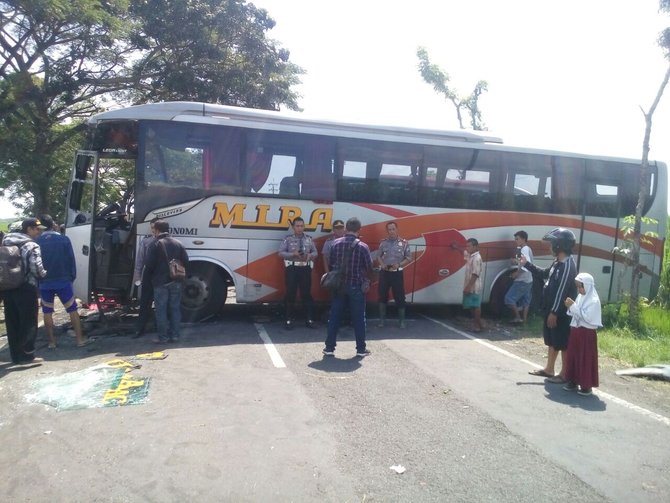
(629, 347)
(649, 345)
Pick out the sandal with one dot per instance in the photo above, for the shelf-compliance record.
(540, 373)
(85, 343)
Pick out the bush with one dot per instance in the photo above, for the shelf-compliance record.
(610, 315)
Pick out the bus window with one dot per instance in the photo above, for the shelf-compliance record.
(290, 165)
(116, 139)
(318, 177)
(354, 169)
(569, 187)
(84, 205)
(471, 180)
(378, 172)
(115, 186)
(193, 157)
(612, 188)
(443, 182)
(528, 183)
(630, 191)
(281, 179)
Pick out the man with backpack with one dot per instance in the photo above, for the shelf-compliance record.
(58, 257)
(21, 298)
(160, 269)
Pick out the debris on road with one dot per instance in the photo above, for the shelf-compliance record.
(107, 385)
(658, 371)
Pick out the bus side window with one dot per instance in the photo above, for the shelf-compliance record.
(281, 167)
(221, 161)
(569, 185)
(528, 182)
(289, 186)
(318, 180)
(530, 192)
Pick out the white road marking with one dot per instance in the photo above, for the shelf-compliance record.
(270, 347)
(602, 394)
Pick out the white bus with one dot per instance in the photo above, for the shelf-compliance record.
(229, 181)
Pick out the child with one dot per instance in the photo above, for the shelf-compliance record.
(582, 357)
(473, 284)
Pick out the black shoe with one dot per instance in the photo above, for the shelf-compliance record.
(310, 324)
(288, 325)
(364, 353)
(328, 352)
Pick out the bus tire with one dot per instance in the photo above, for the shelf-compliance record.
(497, 300)
(202, 292)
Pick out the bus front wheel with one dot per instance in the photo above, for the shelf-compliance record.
(202, 292)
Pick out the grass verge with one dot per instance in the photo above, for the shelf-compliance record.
(647, 346)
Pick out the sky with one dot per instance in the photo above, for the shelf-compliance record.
(571, 75)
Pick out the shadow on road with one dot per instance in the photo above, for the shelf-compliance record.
(334, 364)
(556, 393)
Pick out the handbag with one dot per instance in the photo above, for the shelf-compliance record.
(334, 279)
(175, 267)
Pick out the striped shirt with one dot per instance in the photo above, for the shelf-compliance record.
(361, 261)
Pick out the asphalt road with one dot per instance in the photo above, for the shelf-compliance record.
(242, 410)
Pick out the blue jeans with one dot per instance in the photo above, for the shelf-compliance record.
(519, 294)
(168, 310)
(354, 297)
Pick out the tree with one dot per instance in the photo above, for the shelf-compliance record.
(633, 303)
(212, 51)
(439, 79)
(62, 60)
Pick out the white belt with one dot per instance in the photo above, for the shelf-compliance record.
(297, 264)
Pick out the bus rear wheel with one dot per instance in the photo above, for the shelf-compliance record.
(497, 301)
(202, 292)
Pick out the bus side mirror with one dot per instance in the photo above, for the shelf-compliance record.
(82, 164)
(76, 192)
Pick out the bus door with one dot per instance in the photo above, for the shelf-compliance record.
(79, 219)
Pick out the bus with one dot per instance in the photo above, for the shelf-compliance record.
(230, 180)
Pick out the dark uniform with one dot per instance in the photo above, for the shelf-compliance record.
(393, 254)
(559, 284)
(298, 274)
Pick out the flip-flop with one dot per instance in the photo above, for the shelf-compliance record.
(540, 373)
(86, 343)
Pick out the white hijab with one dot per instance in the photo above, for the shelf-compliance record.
(585, 311)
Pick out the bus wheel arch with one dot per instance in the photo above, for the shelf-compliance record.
(501, 284)
(204, 291)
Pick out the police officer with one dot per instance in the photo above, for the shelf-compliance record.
(392, 256)
(299, 253)
(338, 232)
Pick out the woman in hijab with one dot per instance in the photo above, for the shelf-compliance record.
(582, 357)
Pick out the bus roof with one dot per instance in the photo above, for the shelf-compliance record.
(204, 113)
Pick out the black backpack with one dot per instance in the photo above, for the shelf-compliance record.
(13, 269)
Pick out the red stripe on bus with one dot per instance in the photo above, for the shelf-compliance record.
(390, 211)
(440, 231)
